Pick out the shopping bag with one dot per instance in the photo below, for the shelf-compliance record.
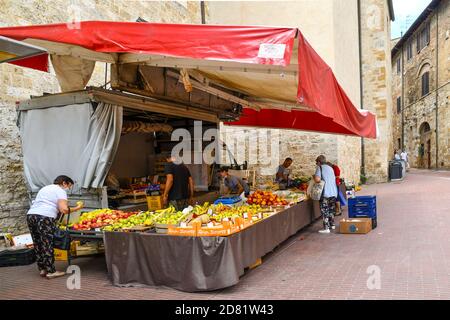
(317, 190)
(341, 198)
(61, 238)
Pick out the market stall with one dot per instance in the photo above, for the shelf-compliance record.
(164, 77)
(198, 263)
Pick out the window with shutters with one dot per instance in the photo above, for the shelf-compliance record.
(423, 37)
(409, 50)
(399, 104)
(425, 83)
(399, 66)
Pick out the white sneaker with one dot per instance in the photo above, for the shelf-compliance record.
(333, 227)
(324, 231)
(43, 273)
(55, 274)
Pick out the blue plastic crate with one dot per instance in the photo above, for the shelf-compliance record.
(357, 212)
(228, 200)
(363, 201)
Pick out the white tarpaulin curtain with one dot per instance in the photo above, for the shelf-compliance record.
(104, 138)
(72, 140)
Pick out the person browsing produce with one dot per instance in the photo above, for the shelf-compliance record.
(283, 172)
(234, 184)
(41, 217)
(328, 201)
(179, 190)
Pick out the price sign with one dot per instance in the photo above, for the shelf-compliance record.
(183, 224)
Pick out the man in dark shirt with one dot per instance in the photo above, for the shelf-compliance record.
(179, 190)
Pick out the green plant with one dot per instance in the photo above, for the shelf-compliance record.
(362, 179)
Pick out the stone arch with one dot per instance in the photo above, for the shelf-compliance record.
(425, 66)
(424, 128)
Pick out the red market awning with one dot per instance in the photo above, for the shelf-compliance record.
(286, 83)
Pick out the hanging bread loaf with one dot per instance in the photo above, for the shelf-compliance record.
(143, 127)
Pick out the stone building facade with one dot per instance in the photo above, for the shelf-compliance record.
(421, 89)
(18, 83)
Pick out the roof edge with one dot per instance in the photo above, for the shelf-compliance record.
(416, 24)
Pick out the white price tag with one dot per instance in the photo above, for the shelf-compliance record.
(183, 225)
(210, 225)
(245, 215)
(97, 229)
(272, 50)
(259, 215)
(225, 219)
(210, 212)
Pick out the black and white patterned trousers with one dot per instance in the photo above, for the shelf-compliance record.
(42, 231)
(328, 210)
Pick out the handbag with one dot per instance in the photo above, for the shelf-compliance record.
(61, 238)
(318, 188)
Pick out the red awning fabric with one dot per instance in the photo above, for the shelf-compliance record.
(319, 90)
(329, 108)
(39, 62)
(211, 42)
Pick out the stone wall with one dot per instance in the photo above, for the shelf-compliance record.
(377, 97)
(265, 149)
(18, 83)
(418, 109)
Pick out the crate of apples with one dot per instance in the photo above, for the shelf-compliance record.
(265, 198)
(101, 220)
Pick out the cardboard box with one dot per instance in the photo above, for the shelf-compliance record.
(355, 225)
(23, 240)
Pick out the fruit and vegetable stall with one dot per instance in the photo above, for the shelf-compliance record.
(203, 247)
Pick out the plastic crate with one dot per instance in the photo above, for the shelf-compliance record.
(21, 257)
(358, 212)
(363, 201)
(228, 200)
(154, 203)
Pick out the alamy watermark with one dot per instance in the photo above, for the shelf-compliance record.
(374, 280)
(74, 280)
(198, 146)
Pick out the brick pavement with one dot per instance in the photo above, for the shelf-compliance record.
(411, 247)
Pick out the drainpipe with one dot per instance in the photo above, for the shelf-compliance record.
(403, 97)
(437, 86)
(361, 89)
(202, 10)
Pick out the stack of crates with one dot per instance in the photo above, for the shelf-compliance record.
(363, 207)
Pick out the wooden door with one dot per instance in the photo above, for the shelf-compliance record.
(429, 153)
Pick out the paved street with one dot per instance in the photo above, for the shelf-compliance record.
(411, 246)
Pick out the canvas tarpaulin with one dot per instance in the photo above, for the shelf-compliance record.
(73, 74)
(83, 143)
(276, 69)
